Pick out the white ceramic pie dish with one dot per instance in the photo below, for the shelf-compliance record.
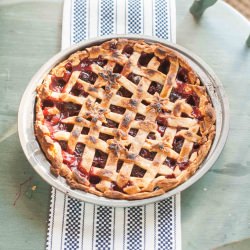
(37, 158)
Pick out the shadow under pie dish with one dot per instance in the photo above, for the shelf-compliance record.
(125, 119)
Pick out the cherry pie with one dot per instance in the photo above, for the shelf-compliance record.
(124, 120)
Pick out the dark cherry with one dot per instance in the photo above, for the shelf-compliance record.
(68, 66)
(105, 137)
(140, 117)
(70, 160)
(197, 113)
(85, 63)
(134, 78)
(57, 84)
(161, 130)
(145, 103)
(47, 103)
(138, 172)
(115, 187)
(100, 159)
(68, 127)
(118, 68)
(93, 179)
(155, 87)
(182, 75)
(177, 143)
(117, 109)
(88, 76)
(85, 131)
(170, 163)
(124, 92)
(78, 90)
(112, 46)
(63, 145)
(174, 95)
(101, 61)
(196, 146)
(54, 120)
(68, 109)
(133, 132)
(149, 155)
(119, 165)
(111, 124)
(128, 50)
(183, 165)
(145, 58)
(193, 100)
(66, 76)
(170, 176)
(151, 136)
(79, 149)
(162, 125)
(164, 67)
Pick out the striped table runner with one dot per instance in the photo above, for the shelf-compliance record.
(78, 225)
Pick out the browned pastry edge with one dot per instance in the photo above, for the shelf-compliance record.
(52, 149)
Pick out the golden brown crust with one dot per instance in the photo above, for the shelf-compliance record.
(196, 127)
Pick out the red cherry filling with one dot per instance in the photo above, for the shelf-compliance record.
(170, 176)
(128, 50)
(85, 63)
(117, 109)
(170, 163)
(79, 149)
(162, 125)
(118, 68)
(119, 165)
(149, 155)
(140, 117)
(183, 92)
(93, 179)
(145, 59)
(183, 165)
(124, 92)
(164, 67)
(100, 159)
(88, 76)
(177, 143)
(155, 87)
(182, 75)
(134, 78)
(197, 113)
(53, 122)
(112, 46)
(85, 131)
(70, 160)
(115, 187)
(138, 172)
(57, 83)
(133, 132)
(110, 124)
(105, 137)
(151, 136)
(78, 90)
(63, 145)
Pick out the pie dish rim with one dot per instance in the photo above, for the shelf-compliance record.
(35, 155)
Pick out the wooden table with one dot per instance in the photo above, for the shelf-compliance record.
(215, 210)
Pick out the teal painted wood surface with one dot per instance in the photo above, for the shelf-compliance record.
(215, 210)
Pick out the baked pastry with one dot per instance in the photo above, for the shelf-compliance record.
(124, 120)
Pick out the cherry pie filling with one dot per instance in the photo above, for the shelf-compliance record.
(54, 122)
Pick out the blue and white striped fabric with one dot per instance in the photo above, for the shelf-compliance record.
(78, 225)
